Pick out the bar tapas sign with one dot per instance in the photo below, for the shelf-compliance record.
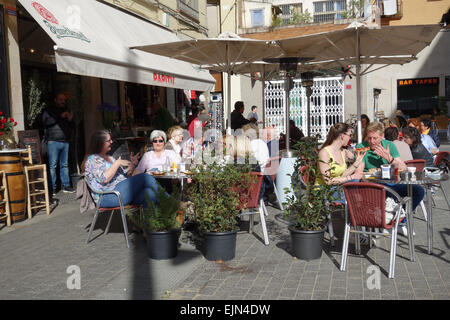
(418, 82)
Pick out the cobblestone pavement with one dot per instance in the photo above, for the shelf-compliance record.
(36, 255)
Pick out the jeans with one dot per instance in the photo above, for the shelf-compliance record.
(133, 191)
(59, 151)
(402, 190)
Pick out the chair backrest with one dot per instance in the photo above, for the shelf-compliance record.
(366, 204)
(440, 156)
(249, 198)
(418, 163)
(27, 158)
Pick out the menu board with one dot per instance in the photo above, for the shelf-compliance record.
(31, 138)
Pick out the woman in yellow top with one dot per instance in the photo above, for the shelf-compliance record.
(333, 157)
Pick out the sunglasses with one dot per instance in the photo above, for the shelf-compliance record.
(158, 141)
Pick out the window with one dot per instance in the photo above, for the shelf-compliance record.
(329, 10)
(257, 18)
(189, 8)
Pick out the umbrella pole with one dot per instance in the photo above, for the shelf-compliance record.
(229, 101)
(358, 88)
(287, 89)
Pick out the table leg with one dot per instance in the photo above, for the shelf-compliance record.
(410, 223)
(429, 222)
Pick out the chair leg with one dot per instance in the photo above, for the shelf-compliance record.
(263, 222)
(393, 253)
(251, 222)
(27, 179)
(357, 244)
(92, 225)
(424, 210)
(47, 197)
(125, 226)
(276, 195)
(330, 231)
(345, 247)
(109, 222)
(445, 195)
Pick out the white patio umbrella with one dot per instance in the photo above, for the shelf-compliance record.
(220, 54)
(358, 44)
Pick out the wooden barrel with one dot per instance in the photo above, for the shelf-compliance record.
(11, 163)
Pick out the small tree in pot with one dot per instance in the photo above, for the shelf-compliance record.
(160, 224)
(216, 197)
(308, 209)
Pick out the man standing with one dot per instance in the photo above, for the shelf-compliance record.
(57, 121)
(253, 115)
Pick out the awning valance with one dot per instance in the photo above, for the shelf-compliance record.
(93, 39)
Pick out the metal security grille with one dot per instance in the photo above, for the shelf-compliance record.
(326, 107)
(217, 116)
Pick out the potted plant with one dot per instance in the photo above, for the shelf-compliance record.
(307, 209)
(215, 195)
(161, 225)
(7, 125)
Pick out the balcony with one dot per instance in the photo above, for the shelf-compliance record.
(189, 8)
(398, 15)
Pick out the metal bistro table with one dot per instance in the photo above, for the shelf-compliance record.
(420, 179)
(177, 176)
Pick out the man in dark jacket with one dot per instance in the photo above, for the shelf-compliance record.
(57, 120)
(236, 117)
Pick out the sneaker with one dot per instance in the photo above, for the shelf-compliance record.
(68, 190)
(404, 231)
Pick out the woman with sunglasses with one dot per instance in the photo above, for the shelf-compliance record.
(159, 155)
(104, 173)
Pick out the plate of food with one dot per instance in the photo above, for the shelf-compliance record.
(157, 173)
(186, 172)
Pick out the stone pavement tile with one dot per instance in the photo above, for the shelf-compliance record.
(354, 296)
(339, 283)
(253, 297)
(355, 285)
(340, 292)
(303, 296)
(373, 294)
(320, 295)
(286, 292)
(422, 293)
(256, 290)
(237, 291)
(406, 295)
(270, 294)
(303, 288)
(208, 290)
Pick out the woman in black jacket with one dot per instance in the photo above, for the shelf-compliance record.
(413, 138)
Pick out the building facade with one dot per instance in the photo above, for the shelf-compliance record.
(106, 89)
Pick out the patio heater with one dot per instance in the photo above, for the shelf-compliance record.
(376, 93)
(307, 83)
(288, 70)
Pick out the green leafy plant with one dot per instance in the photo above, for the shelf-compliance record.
(215, 192)
(308, 209)
(160, 217)
(35, 105)
(300, 17)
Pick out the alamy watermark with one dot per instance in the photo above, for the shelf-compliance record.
(74, 280)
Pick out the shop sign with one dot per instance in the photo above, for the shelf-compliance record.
(11, 11)
(53, 25)
(161, 78)
(417, 82)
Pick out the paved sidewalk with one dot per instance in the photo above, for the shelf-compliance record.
(37, 253)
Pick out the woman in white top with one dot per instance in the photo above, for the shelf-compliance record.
(156, 158)
(175, 135)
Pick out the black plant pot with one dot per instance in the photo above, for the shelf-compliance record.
(307, 245)
(163, 245)
(219, 245)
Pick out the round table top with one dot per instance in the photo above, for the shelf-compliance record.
(421, 178)
(12, 150)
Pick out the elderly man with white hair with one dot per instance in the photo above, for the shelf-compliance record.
(158, 156)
